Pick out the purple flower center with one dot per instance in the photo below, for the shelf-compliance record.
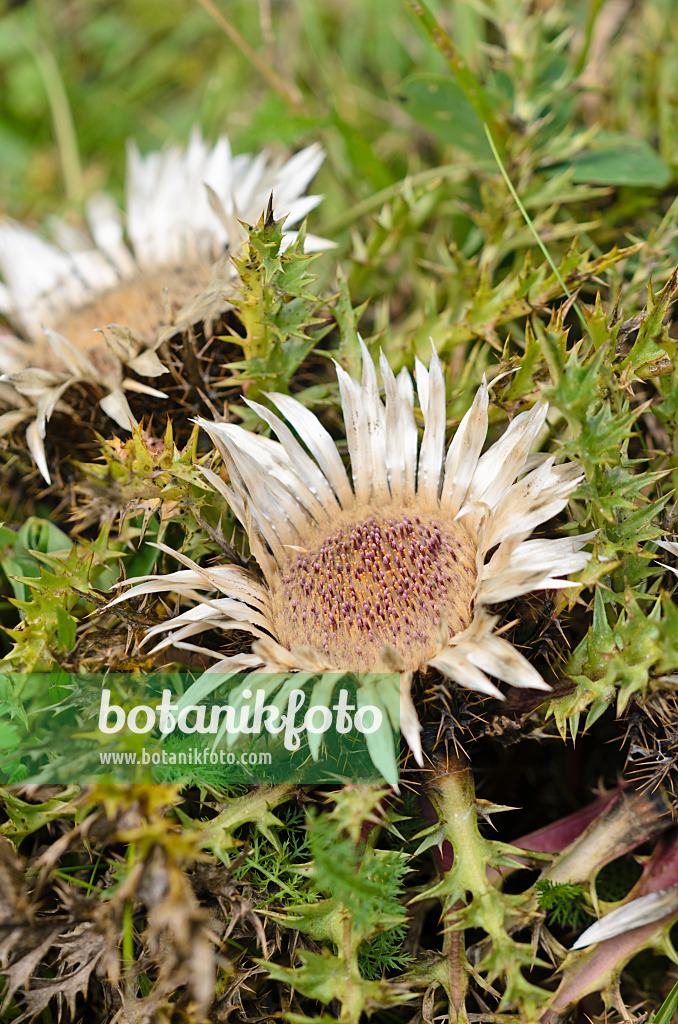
(387, 579)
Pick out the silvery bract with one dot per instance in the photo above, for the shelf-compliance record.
(672, 547)
(634, 914)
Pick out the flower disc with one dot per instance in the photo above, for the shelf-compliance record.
(142, 301)
(387, 579)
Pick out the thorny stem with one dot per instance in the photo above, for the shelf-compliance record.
(255, 343)
(456, 808)
(471, 895)
(454, 950)
(259, 255)
(471, 901)
(351, 1005)
(470, 849)
(254, 808)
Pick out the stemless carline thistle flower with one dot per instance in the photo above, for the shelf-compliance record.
(391, 570)
(93, 306)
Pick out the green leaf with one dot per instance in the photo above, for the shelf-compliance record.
(360, 151)
(620, 160)
(348, 319)
(7, 537)
(272, 122)
(380, 744)
(8, 736)
(42, 535)
(562, 902)
(666, 1012)
(321, 694)
(438, 104)
(66, 627)
(36, 535)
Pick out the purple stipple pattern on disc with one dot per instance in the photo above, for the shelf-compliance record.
(387, 579)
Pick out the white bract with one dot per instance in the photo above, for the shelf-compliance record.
(634, 914)
(672, 547)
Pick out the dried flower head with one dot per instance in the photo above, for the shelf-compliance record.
(393, 570)
(70, 302)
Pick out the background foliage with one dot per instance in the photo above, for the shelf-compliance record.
(196, 902)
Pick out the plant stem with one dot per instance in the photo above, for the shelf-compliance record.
(471, 901)
(62, 118)
(285, 89)
(456, 804)
(454, 948)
